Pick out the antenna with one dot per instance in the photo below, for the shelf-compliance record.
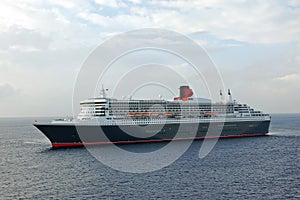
(102, 92)
(229, 95)
(221, 96)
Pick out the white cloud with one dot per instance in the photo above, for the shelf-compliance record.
(13, 15)
(53, 35)
(293, 3)
(297, 59)
(60, 17)
(110, 3)
(118, 23)
(96, 19)
(64, 3)
(255, 22)
(18, 38)
(264, 22)
(135, 1)
(6, 90)
(290, 78)
(23, 48)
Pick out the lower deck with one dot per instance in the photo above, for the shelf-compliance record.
(65, 135)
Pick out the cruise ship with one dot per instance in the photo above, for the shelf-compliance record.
(104, 120)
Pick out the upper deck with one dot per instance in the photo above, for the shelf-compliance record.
(183, 107)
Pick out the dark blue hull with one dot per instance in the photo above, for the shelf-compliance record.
(64, 135)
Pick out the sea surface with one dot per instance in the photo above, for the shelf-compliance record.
(243, 168)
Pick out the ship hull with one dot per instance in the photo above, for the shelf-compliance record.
(71, 135)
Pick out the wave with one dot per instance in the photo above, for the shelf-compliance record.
(285, 134)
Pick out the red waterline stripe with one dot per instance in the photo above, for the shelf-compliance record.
(58, 145)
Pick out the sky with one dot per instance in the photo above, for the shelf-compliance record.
(43, 44)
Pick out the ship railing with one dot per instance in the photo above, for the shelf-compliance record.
(186, 120)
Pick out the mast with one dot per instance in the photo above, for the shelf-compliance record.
(102, 92)
(221, 96)
(229, 96)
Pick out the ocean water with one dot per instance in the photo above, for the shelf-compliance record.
(243, 168)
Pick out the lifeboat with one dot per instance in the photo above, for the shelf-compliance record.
(211, 113)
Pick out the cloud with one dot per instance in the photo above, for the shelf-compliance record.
(6, 90)
(111, 3)
(122, 22)
(43, 42)
(135, 1)
(297, 59)
(252, 22)
(293, 3)
(13, 15)
(22, 39)
(65, 4)
(265, 22)
(290, 78)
